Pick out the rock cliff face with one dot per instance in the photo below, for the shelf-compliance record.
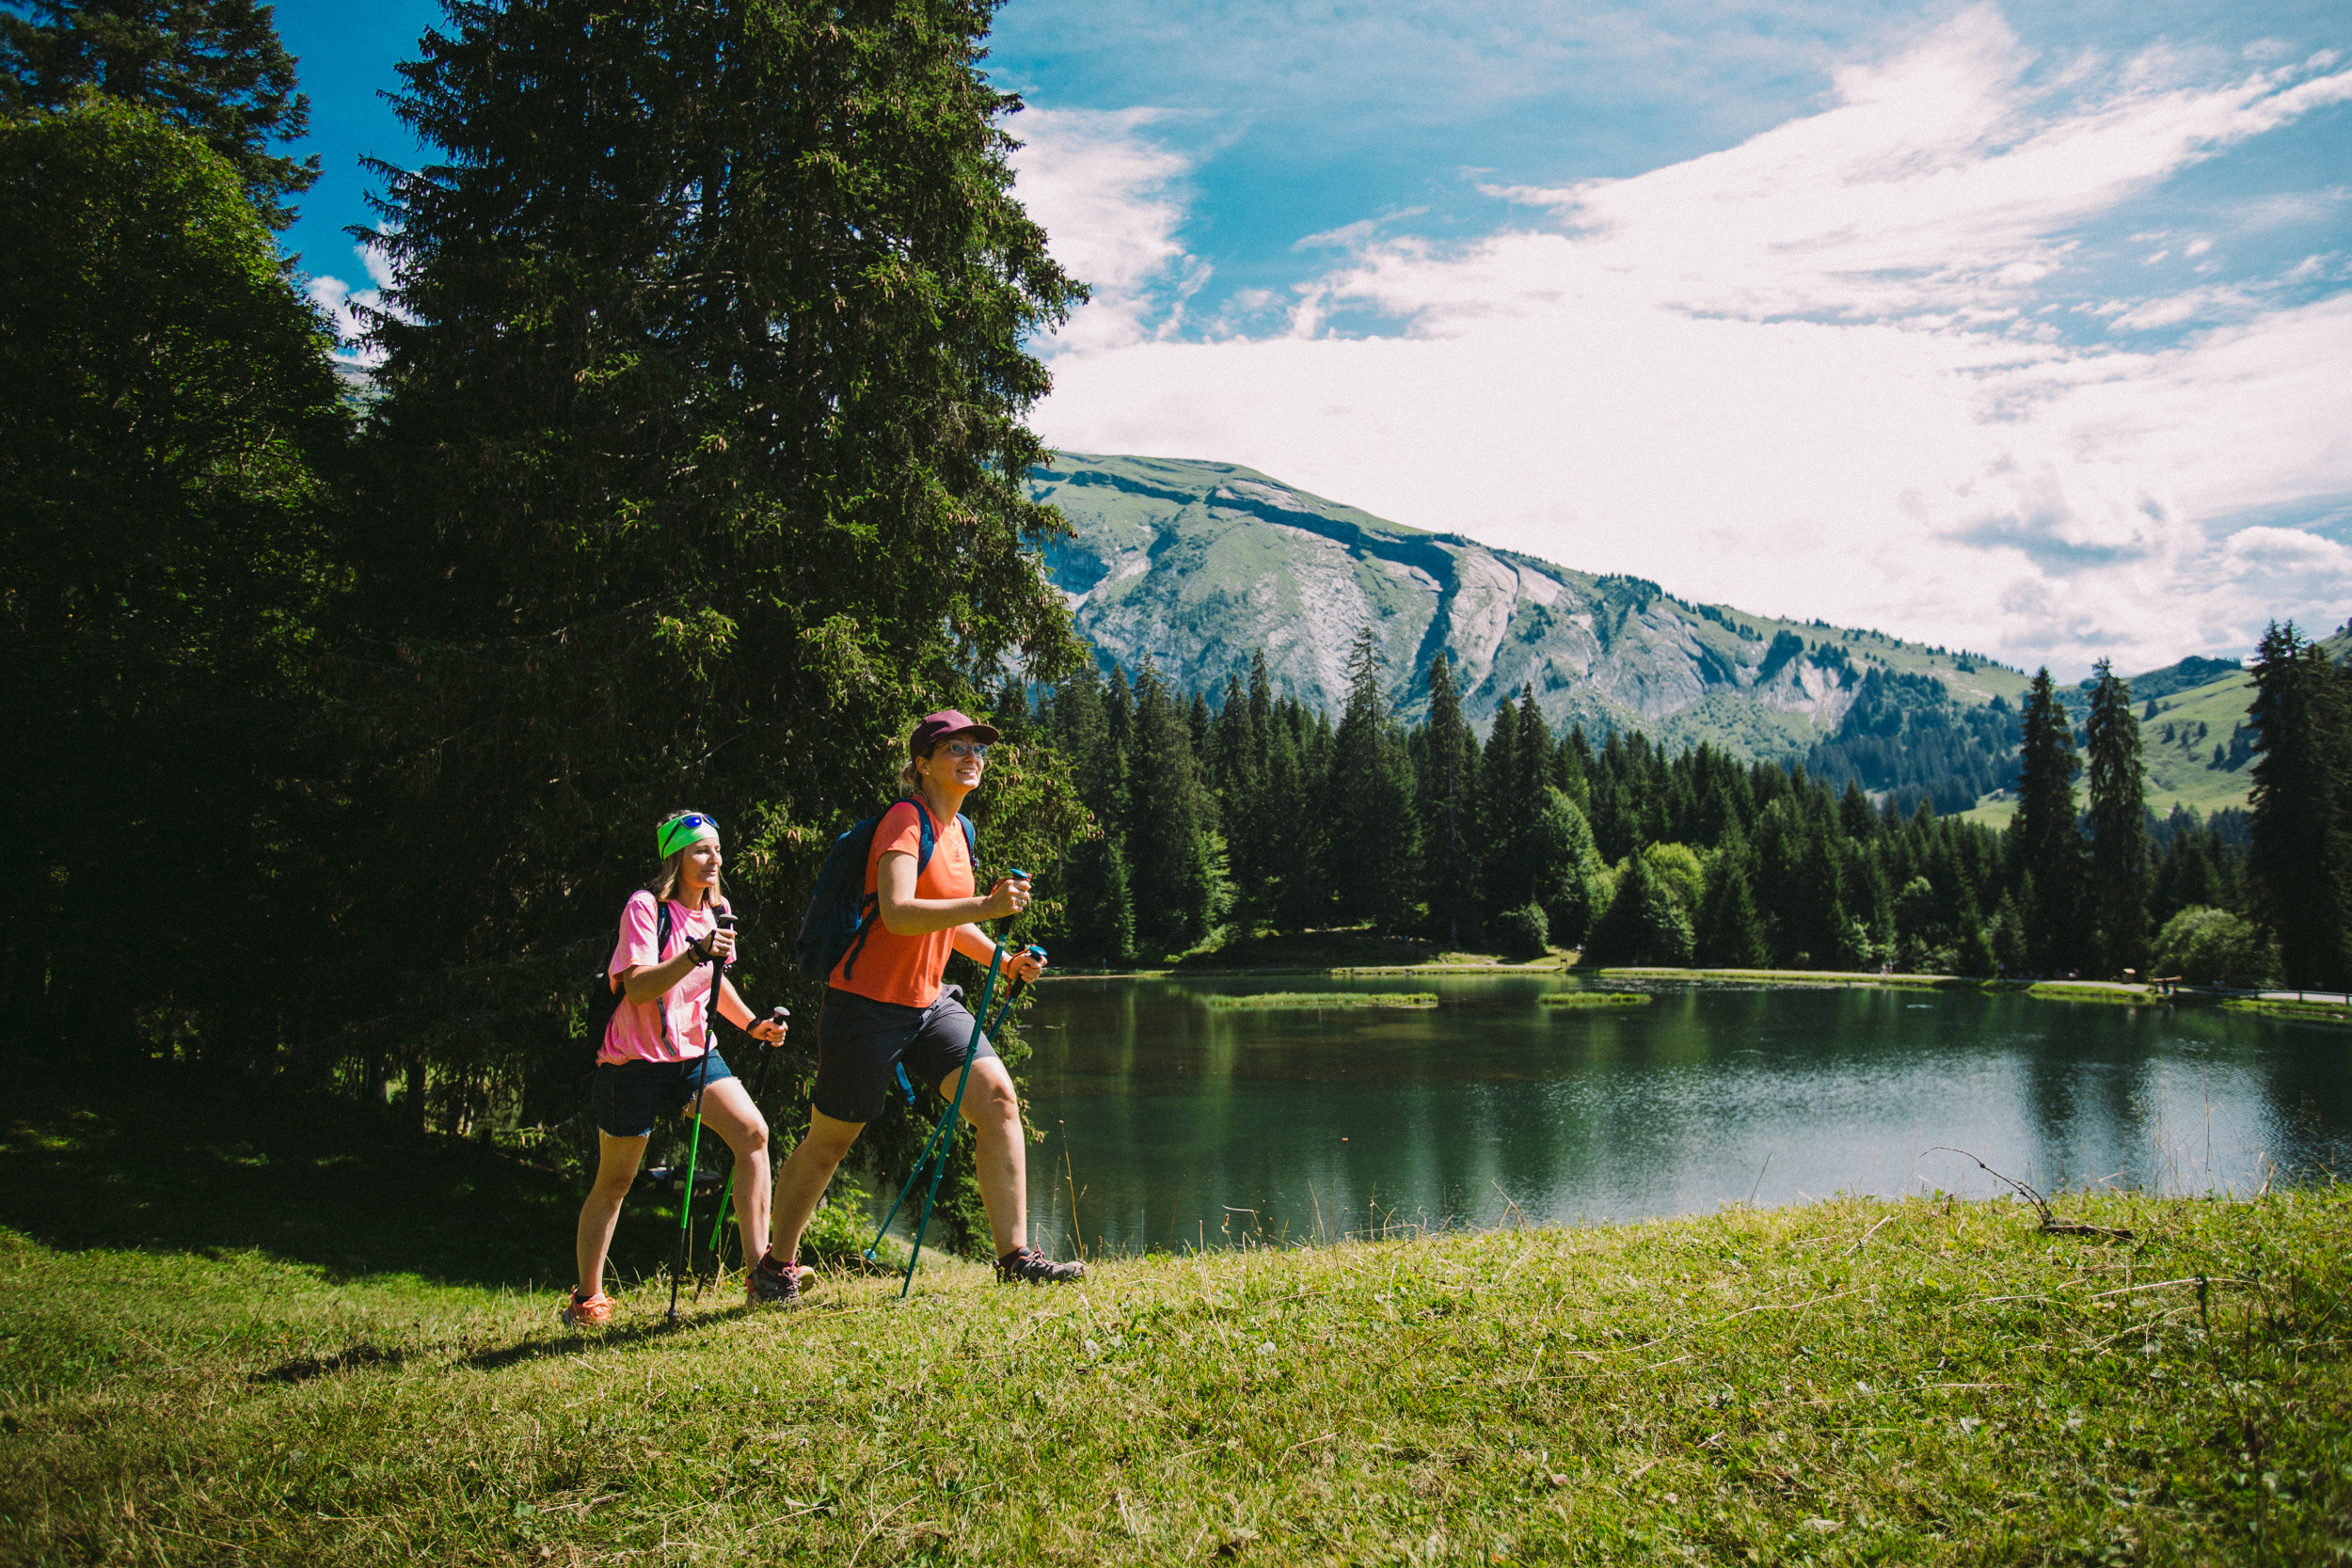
(1195, 564)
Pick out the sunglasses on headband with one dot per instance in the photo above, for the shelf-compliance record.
(678, 831)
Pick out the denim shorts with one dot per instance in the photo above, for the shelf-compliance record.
(861, 1043)
(629, 1095)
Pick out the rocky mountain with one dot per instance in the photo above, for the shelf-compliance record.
(1196, 565)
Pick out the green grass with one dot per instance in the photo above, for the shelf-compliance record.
(1304, 950)
(2304, 1012)
(1844, 1382)
(1594, 999)
(1323, 999)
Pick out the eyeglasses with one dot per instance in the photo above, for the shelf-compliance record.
(690, 821)
(974, 750)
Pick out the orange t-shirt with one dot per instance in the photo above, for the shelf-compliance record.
(908, 969)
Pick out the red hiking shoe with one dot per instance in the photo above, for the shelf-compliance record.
(594, 1312)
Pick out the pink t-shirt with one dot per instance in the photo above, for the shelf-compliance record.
(668, 1028)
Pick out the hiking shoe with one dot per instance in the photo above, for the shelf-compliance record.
(595, 1312)
(1027, 1266)
(767, 1287)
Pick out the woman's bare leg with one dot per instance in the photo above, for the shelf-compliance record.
(616, 1167)
(800, 1182)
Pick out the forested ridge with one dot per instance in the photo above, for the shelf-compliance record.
(698, 471)
(1254, 813)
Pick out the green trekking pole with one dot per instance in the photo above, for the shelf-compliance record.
(695, 1140)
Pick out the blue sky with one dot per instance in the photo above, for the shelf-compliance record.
(2021, 329)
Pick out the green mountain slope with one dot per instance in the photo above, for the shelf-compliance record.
(1195, 564)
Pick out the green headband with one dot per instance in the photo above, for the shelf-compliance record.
(687, 828)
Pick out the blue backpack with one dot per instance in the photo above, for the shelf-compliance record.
(841, 914)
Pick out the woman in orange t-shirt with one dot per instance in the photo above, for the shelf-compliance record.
(884, 1005)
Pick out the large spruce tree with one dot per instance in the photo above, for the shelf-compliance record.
(2302, 798)
(2044, 841)
(701, 468)
(2119, 827)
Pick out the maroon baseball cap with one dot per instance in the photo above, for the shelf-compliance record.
(939, 726)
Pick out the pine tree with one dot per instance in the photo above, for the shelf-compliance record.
(1168, 859)
(1538, 762)
(702, 464)
(2119, 826)
(215, 67)
(1854, 816)
(1373, 828)
(1730, 932)
(2301, 857)
(2044, 841)
(1448, 792)
(1505, 880)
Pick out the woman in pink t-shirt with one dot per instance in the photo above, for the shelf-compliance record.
(652, 1058)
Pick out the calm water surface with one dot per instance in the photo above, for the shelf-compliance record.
(1176, 1124)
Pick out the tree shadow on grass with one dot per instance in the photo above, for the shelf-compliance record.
(179, 1159)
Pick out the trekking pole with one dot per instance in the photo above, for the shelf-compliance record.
(693, 1142)
(943, 1130)
(942, 1135)
(947, 1127)
(759, 1087)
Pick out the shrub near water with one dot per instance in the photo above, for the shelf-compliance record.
(1846, 1381)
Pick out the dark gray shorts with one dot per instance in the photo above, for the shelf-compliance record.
(629, 1095)
(862, 1042)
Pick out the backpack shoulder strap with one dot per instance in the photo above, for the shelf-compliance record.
(971, 845)
(661, 929)
(930, 835)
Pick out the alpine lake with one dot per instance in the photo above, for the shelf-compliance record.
(1173, 1121)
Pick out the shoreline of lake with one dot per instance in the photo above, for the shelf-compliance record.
(2110, 993)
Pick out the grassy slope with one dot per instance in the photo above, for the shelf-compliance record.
(1846, 1381)
(2182, 772)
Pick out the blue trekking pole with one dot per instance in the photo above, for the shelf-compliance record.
(942, 1135)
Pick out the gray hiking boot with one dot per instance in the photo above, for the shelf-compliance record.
(767, 1287)
(1027, 1266)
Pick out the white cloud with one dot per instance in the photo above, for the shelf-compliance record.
(346, 306)
(1106, 197)
(1811, 373)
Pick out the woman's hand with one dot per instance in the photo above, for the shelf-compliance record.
(719, 944)
(771, 1030)
(1009, 897)
(1025, 966)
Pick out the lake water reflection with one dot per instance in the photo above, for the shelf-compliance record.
(1179, 1124)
